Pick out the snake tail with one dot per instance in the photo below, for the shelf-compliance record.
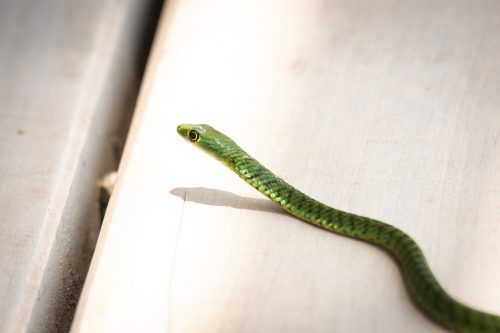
(423, 287)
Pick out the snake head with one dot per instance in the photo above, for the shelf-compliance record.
(209, 140)
(193, 133)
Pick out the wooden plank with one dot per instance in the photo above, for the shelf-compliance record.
(385, 109)
(70, 73)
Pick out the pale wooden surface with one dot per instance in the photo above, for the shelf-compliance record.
(69, 75)
(386, 109)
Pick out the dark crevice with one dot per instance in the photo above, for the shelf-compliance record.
(78, 230)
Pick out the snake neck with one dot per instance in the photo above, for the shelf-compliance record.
(288, 197)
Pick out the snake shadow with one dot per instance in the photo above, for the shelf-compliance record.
(213, 197)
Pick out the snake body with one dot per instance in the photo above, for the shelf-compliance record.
(423, 287)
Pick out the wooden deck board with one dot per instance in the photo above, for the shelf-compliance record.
(386, 109)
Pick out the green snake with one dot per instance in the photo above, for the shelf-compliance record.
(423, 287)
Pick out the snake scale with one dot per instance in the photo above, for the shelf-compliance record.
(423, 287)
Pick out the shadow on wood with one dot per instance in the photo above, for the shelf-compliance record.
(213, 197)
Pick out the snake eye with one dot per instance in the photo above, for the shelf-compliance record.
(193, 136)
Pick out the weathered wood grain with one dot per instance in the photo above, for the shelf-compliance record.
(388, 109)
